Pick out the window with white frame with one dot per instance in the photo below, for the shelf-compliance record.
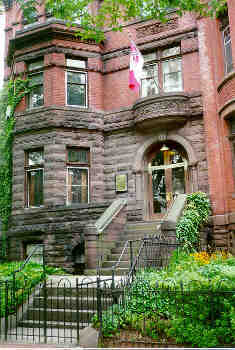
(78, 164)
(34, 173)
(76, 83)
(36, 95)
(227, 50)
(162, 72)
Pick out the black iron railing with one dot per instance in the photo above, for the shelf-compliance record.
(166, 314)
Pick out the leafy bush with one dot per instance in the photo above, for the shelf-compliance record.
(190, 302)
(195, 214)
(15, 292)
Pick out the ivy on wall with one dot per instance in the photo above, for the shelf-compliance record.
(11, 95)
(195, 214)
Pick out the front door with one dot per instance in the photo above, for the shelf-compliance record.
(167, 170)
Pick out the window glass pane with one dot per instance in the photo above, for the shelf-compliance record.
(77, 78)
(228, 51)
(228, 58)
(149, 71)
(36, 97)
(149, 83)
(36, 79)
(172, 76)
(35, 187)
(35, 65)
(78, 155)
(38, 254)
(171, 51)
(150, 56)
(76, 95)
(149, 87)
(35, 157)
(75, 63)
(178, 180)
(77, 185)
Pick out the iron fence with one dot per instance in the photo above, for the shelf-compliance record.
(166, 314)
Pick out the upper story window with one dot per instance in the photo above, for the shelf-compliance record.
(76, 83)
(78, 163)
(36, 96)
(34, 172)
(162, 72)
(227, 50)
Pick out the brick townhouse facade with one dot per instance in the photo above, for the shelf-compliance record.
(83, 139)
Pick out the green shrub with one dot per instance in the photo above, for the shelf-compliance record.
(25, 281)
(195, 214)
(189, 302)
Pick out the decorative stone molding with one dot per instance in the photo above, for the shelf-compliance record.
(161, 137)
(54, 116)
(156, 28)
(168, 109)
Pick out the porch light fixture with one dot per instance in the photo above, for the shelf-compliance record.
(164, 148)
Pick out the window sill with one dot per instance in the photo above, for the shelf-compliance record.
(33, 208)
(76, 106)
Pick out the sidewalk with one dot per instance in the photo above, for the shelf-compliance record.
(35, 347)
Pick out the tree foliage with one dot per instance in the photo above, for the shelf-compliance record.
(112, 13)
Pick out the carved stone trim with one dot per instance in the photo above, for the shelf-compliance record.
(160, 137)
(156, 28)
(164, 108)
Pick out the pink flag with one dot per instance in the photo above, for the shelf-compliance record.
(136, 67)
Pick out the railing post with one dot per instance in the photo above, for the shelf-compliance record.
(6, 309)
(131, 253)
(45, 310)
(77, 311)
(99, 305)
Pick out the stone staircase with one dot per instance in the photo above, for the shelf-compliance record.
(133, 231)
(58, 302)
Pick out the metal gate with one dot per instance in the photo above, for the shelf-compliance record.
(52, 312)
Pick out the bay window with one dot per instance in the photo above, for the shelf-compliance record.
(162, 72)
(78, 163)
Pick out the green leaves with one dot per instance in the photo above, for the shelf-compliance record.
(112, 13)
(10, 96)
(181, 304)
(195, 214)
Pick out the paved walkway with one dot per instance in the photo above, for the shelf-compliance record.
(35, 347)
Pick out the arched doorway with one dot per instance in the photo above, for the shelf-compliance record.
(167, 176)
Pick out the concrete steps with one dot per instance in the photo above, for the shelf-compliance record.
(133, 231)
(62, 305)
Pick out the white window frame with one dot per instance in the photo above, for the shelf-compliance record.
(86, 89)
(159, 61)
(30, 104)
(163, 80)
(227, 43)
(67, 183)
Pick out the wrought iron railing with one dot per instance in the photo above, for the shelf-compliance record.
(142, 314)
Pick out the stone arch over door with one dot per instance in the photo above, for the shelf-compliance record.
(140, 166)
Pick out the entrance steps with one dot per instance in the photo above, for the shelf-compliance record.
(133, 231)
(67, 303)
